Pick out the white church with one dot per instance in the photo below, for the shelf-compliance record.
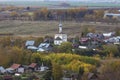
(60, 37)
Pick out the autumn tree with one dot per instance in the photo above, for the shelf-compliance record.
(37, 58)
(57, 71)
(5, 41)
(85, 30)
(14, 14)
(15, 55)
(111, 50)
(111, 71)
(4, 58)
(99, 14)
(38, 41)
(117, 31)
(80, 73)
(65, 47)
(44, 12)
(48, 75)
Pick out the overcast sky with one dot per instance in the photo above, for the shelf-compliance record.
(64, 0)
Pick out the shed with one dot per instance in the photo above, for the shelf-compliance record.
(29, 43)
(33, 66)
(2, 70)
(15, 66)
(44, 47)
(43, 68)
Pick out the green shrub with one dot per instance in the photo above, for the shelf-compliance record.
(1, 77)
(90, 60)
(17, 78)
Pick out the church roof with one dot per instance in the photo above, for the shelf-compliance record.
(58, 38)
(60, 25)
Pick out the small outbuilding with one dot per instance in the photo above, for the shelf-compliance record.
(2, 70)
(33, 66)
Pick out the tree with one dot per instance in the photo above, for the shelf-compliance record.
(117, 31)
(99, 14)
(65, 47)
(111, 71)
(57, 71)
(14, 14)
(15, 55)
(36, 15)
(37, 58)
(44, 12)
(38, 41)
(80, 73)
(85, 30)
(47, 75)
(111, 50)
(92, 29)
(6, 41)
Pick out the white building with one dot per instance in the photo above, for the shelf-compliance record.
(112, 15)
(60, 37)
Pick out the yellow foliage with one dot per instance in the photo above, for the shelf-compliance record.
(75, 65)
(67, 61)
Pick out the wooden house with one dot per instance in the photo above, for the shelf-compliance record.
(33, 67)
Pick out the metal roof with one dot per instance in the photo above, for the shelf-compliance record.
(29, 43)
(58, 38)
(15, 66)
(33, 65)
(112, 14)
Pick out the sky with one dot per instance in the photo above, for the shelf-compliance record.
(65, 0)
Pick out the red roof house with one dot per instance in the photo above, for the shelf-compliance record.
(15, 66)
(33, 66)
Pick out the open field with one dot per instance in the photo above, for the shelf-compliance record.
(43, 28)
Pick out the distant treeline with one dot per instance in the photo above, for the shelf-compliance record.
(68, 14)
(6, 34)
(73, 14)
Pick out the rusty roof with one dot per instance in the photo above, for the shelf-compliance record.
(15, 66)
(33, 65)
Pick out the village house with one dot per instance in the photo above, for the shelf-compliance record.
(2, 70)
(112, 15)
(45, 47)
(43, 68)
(15, 68)
(33, 67)
(84, 40)
(114, 40)
(108, 35)
(94, 40)
(30, 45)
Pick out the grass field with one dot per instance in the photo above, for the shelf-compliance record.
(43, 28)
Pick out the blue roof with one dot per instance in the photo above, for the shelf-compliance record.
(2, 69)
(44, 45)
(29, 43)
